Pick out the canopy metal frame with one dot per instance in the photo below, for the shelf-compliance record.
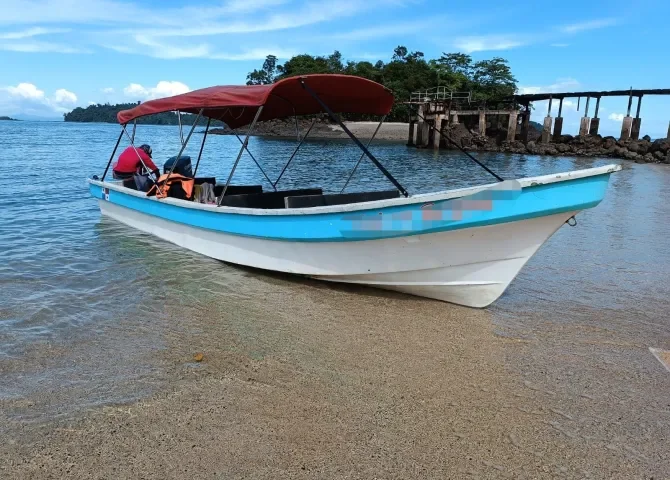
(245, 145)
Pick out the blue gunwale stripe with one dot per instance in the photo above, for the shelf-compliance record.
(378, 223)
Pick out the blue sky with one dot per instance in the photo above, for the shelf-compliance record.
(57, 54)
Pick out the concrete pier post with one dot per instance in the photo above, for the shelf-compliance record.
(668, 130)
(584, 126)
(525, 125)
(585, 122)
(595, 125)
(418, 139)
(482, 123)
(437, 132)
(558, 128)
(637, 121)
(454, 119)
(595, 121)
(626, 126)
(511, 126)
(635, 128)
(410, 135)
(558, 123)
(425, 134)
(546, 129)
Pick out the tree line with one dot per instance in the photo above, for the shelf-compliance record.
(490, 82)
(106, 113)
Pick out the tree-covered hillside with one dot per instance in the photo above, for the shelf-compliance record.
(107, 114)
(490, 81)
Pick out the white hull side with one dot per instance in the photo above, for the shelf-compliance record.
(471, 267)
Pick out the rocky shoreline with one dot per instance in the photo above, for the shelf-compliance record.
(639, 151)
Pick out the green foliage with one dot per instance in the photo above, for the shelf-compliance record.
(266, 74)
(107, 114)
(490, 81)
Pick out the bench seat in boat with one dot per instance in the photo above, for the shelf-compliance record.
(306, 201)
(267, 200)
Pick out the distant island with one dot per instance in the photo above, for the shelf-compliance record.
(107, 114)
(9, 119)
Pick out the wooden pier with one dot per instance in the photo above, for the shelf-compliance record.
(438, 108)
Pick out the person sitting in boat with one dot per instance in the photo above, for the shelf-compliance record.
(129, 162)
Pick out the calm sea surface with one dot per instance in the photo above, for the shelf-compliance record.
(68, 276)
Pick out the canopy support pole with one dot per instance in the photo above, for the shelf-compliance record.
(112, 156)
(183, 145)
(181, 131)
(132, 144)
(134, 128)
(353, 137)
(256, 162)
(297, 130)
(294, 152)
(363, 154)
(202, 147)
(239, 155)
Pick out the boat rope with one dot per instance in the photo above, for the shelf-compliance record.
(572, 221)
(450, 140)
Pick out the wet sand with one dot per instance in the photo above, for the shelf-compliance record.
(342, 382)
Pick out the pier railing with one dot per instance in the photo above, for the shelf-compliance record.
(439, 94)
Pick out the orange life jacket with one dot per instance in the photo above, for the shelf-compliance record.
(185, 182)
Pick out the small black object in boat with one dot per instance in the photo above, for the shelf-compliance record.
(182, 167)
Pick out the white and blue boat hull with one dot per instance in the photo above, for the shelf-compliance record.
(461, 246)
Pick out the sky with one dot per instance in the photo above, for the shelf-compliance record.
(59, 54)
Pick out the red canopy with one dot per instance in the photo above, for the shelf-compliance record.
(236, 105)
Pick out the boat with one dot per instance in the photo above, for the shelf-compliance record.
(463, 246)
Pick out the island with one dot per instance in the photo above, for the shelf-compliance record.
(10, 119)
(106, 113)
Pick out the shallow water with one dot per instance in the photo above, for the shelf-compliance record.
(85, 303)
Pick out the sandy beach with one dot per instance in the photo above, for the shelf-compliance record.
(338, 383)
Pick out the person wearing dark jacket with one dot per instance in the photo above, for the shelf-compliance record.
(131, 161)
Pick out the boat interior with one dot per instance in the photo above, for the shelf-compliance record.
(253, 196)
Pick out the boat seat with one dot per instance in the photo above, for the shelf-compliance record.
(237, 189)
(306, 201)
(201, 180)
(267, 200)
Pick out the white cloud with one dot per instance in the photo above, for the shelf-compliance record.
(247, 6)
(483, 43)
(162, 89)
(32, 32)
(561, 85)
(107, 90)
(40, 47)
(589, 25)
(64, 97)
(160, 49)
(616, 116)
(25, 90)
(28, 99)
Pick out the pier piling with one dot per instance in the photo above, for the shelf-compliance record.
(637, 121)
(626, 126)
(482, 123)
(511, 126)
(525, 125)
(558, 123)
(437, 131)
